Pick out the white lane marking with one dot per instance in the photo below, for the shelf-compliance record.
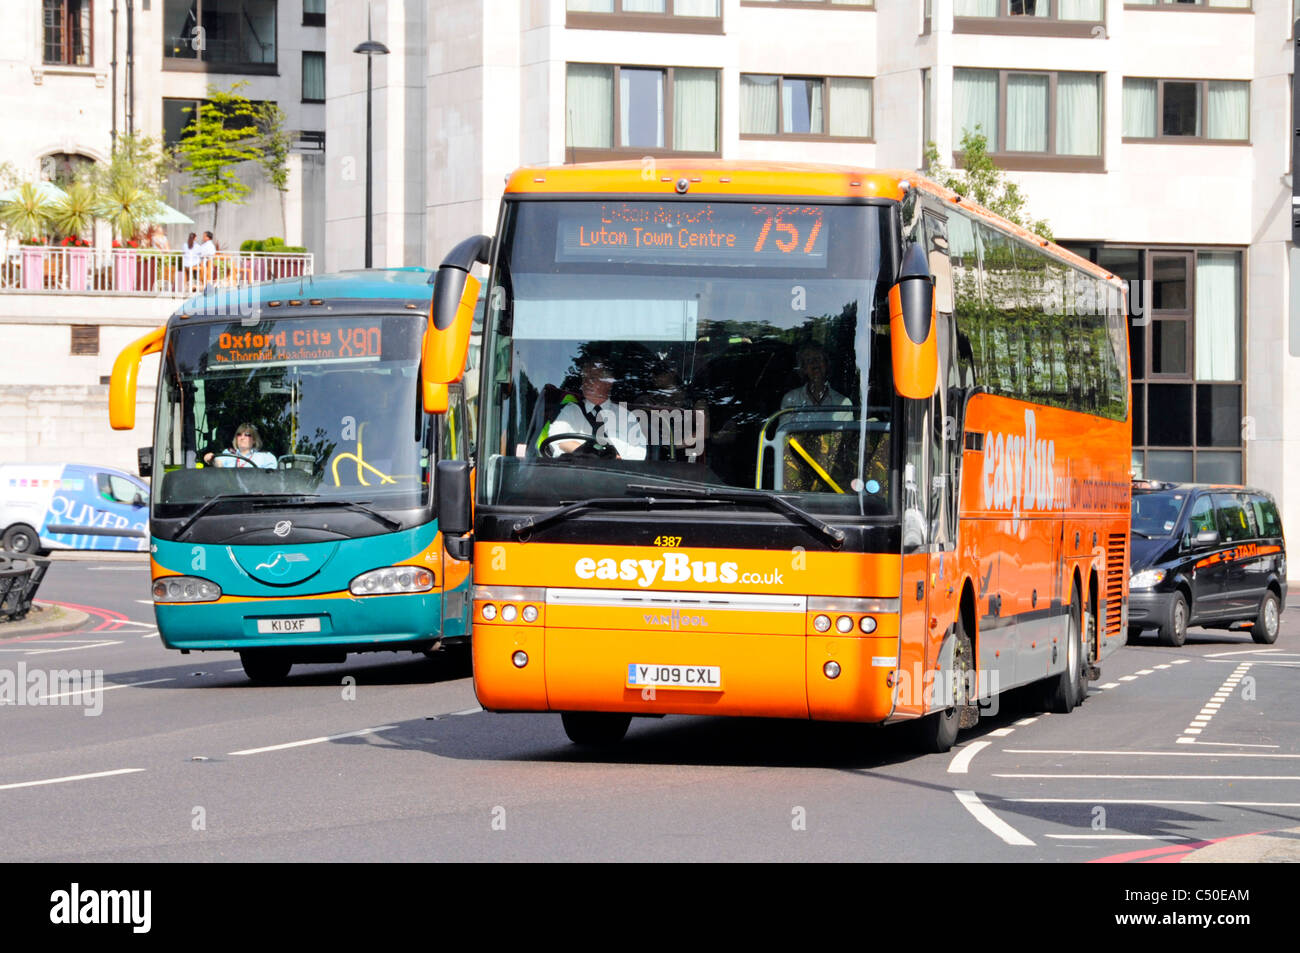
(1239, 652)
(71, 777)
(108, 688)
(1150, 754)
(1026, 721)
(145, 602)
(469, 711)
(960, 763)
(73, 648)
(1001, 828)
(1128, 678)
(1266, 661)
(313, 741)
(1144, 671)
(1202, 720)
(147, 625)
(1109, 685)
(1163, 665)
(140, 568)
(1155, 777)
(1226, 744)
(1000, 732)
(1117, 837)
(1132, 800)
(1181, 661)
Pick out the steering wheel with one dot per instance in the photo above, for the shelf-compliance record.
(232, 453)
(586, 438)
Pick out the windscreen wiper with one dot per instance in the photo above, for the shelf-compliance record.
(359, 506)
(757, 497)
(305, 500)
(526, 526)
(223, 497)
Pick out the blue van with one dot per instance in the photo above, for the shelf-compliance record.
(45, 506)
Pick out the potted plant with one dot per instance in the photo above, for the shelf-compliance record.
(27, 217)
(125, 260)
(71, 216)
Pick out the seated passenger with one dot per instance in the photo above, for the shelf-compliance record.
(245, 451)
(815, 392)
(614, 428)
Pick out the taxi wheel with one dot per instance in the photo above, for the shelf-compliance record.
(1067, 690)
(1174, 632)
(595, 729)
(265, 668)
(1266, 626)
(21, 538)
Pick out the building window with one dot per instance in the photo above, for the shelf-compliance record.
(1028, 17)
(1243, 5)
(865, 4)
(1177, 109)
(818, 107)
(1186, 356)
(179, 113)
(67, 35)
(313, 77)
(220, 36)
(656, 16)
(66, 168)
(612, 109)
(313, 12)
(85, 340)
(1032, 120)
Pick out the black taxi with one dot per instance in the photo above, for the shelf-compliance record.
(1212, 556)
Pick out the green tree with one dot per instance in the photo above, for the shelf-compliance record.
(275, 145)
(980, 180)
(222, 134)
(128, 189)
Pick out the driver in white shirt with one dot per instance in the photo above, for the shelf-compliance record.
(611, 425)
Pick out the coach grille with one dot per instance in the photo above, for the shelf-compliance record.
(1115, 562)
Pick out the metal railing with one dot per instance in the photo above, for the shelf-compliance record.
(37, 269)
(20, 577)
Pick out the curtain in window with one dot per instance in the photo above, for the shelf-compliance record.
(696, 8)
(758, 104)
(1229, 111)
(975, 104)
(1239, 4)
(645, 6)
(1078, 114)
(1218, 323)
(1026, 113)
(313, 6)
(850, 107)
(641, 107)
(589, 102)
(313, 76)
(1140, 108)
(695, 110)
(1089, 10)
(975, 8)
(1029, 8)
(591, 6)
(801, 106)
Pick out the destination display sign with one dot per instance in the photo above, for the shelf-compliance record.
(688, 233)
(299, 340)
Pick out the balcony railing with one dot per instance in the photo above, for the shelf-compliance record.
(36, 269)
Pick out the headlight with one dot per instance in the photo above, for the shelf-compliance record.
(382, 582)
(185, 589)
(1146, 578)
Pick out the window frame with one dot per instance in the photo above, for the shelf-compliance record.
(65, 22)
(812, 4)
(1006, 23)
(574, 154)
(1204, 98)
(198, 64)
(309, 19)
(1181, 5)
(666, 22)
(826, 112)
(1050, 161)
(303, 77)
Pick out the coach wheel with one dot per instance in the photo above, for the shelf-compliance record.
(1174, 631)
(595, 729)
(1269, 620)
(937, 732)
(21, 538)
(263, 667)
(1067, 690)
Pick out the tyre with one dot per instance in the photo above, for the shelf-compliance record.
(264, 667)
(1134, 637)
(1174, 631)
(1067, 690)
(595, 729)
(21, 538)
(937, 732)
(1269, 620)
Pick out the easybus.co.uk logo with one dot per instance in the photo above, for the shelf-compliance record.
(671, 567)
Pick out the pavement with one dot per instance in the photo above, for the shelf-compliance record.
(43, 619)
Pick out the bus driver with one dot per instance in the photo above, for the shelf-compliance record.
(595, 415)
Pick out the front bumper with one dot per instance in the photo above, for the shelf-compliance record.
(1149, 608)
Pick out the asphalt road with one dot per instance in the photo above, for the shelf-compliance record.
(388, 757)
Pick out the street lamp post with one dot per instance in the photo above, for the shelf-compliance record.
(370, 49)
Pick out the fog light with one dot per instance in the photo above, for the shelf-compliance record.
(520, 659)
(844, 623)
(832, 669)
(867, 624)
(509, 613)
(489, 612)
(530, 613)
(822, 623)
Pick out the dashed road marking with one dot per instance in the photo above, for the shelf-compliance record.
(1109, 685)
(1154, 777)
(71, 777)
(313, 741)
(1148, 754)
(107, 688)
(1202, 720)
